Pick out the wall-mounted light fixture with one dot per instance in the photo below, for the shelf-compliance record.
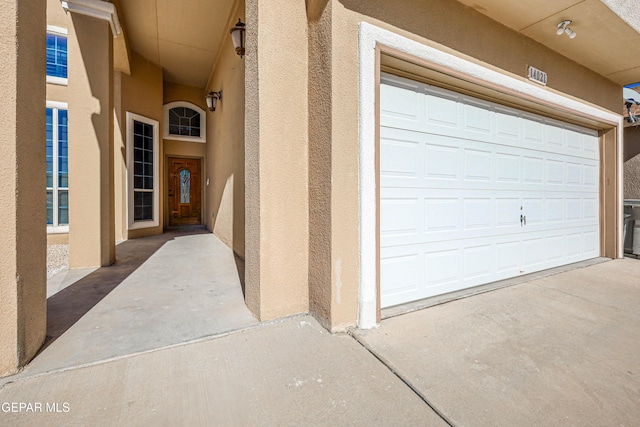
(237, 36)
(212, 99)
(563, 27)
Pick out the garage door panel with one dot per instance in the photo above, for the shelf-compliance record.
(402, 217)
(409, 216)
(589, 176)
(455, 182)
(507, 168)
(400, 158)
(403, 103)
(478, 165)
(533, 131)
(479, 262)
(442, 215)
(477, 118)
(442, 110)
(509, 257)
(556, 248)
(532, 170)
(405, 270)
(507, 125)
(441, 162)
(508, 213)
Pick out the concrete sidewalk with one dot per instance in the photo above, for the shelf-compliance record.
(559, 350)
(291, 372)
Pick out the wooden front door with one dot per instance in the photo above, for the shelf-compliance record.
(184, 191)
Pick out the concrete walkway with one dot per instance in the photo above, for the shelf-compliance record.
(559, 350)
(162, 290)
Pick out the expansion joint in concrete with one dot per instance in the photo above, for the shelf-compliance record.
(406, 381)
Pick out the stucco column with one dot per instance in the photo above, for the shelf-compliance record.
(22, 174)
(91, 206)
(276, 159)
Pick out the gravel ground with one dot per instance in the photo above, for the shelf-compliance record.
(57, 259)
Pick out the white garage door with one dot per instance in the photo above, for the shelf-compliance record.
(473, 192)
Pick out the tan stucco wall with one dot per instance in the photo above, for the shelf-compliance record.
(320, 159)
(140, 93)
(58, 239)
(333, 126)
(91, 208)
(468, 32)
(225, 148)
(276, 142)
(22, 195)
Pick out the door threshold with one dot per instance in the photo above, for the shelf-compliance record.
(183, 227)
(409, 307)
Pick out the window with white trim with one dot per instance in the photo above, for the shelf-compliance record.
(57, 157)
(184, 121)
(57, 67)
(142, 171)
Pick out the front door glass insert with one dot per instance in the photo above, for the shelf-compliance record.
(185, 186)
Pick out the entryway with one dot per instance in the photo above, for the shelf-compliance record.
(185, 196)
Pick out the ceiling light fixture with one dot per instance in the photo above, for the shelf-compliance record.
(563, 27)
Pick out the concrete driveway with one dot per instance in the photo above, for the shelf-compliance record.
(559, 350)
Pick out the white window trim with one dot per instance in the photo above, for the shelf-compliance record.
(59, 31)
(369, 37)
(203, 122)
(132, 224)
(56, 229)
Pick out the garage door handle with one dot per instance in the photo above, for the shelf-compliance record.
(523, 220)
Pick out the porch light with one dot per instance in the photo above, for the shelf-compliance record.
(212, 99)
(563, 27)
(237, 36)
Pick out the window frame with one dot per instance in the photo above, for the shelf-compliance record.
(203, 122)
(62, 32)
(131, 222)
(55, 228)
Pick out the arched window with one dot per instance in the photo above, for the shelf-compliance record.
(184, 121)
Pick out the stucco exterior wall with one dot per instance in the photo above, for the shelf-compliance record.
(225, 147)
(276, 141)
(90, 99)
(22, 195)
(320, 159)
(334, 70)
(140, 93)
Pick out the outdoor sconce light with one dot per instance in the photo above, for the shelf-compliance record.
(237, 36)
(212, 99)
(563, 27)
